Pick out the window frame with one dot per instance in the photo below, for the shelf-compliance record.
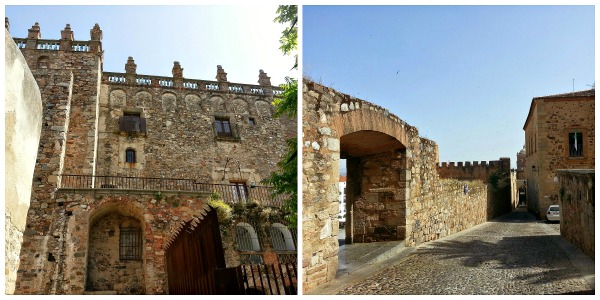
(220, 126)
(240, 191)
(131, 151)
(132, 122)
(571, 152)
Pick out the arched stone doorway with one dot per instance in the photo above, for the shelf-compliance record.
(116, 256)
(375, 188)
(378, 148)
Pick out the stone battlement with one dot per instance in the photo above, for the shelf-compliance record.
(472, 170)
(67, 43)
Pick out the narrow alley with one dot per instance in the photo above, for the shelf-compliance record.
(514, 254)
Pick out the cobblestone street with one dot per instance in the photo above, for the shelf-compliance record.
(514, 254)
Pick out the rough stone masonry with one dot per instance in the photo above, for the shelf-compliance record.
(394, 191)
(112, 143)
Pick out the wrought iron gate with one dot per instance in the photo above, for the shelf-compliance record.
(258, 279)
(193, 256)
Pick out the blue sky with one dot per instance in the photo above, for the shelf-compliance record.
(243, 39)
(463, 75)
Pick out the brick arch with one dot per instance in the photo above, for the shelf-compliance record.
(123, 206)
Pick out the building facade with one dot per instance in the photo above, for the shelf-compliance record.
(127, 163)
(559, 134)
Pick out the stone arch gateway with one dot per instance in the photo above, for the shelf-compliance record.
(395, 189)
(387, 162)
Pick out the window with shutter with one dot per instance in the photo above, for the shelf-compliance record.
(575, 144)
(223, 127)
(132, 122)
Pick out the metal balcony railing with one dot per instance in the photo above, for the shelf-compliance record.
(229, 193)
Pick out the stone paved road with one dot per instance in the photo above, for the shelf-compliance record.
(512, 255)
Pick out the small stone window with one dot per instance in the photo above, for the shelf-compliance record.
(223, 127)
(251, 121)
(575, 144)
(130, 155)
(130, 243)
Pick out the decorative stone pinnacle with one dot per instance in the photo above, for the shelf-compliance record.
(177, 70)
(6, 23)
(67, 33)
(263, 79)
(34, 32)
(130, 66)
(96, 33)
(221, 75)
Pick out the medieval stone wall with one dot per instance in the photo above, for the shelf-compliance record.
(81, 135)
(473, 171)
(23, 121)
(180, 140)
(379, 210)
(393, 187)
(440, 207)
(86, 229)
(446, 209)
(107, 272)
(496, 174)
(577, 208)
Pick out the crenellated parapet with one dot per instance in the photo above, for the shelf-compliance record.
(472, 170)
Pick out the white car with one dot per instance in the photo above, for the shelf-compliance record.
(553, 213)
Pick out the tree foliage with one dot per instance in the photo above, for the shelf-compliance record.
(285, 180)
(289, 36)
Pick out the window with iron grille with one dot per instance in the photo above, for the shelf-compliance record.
(130, 155)
(223, 127)
(247, 241)
(575, 144)
(282, 238)
(132, 122)
(130, 243)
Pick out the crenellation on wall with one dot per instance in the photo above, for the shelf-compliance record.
(473, 171)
